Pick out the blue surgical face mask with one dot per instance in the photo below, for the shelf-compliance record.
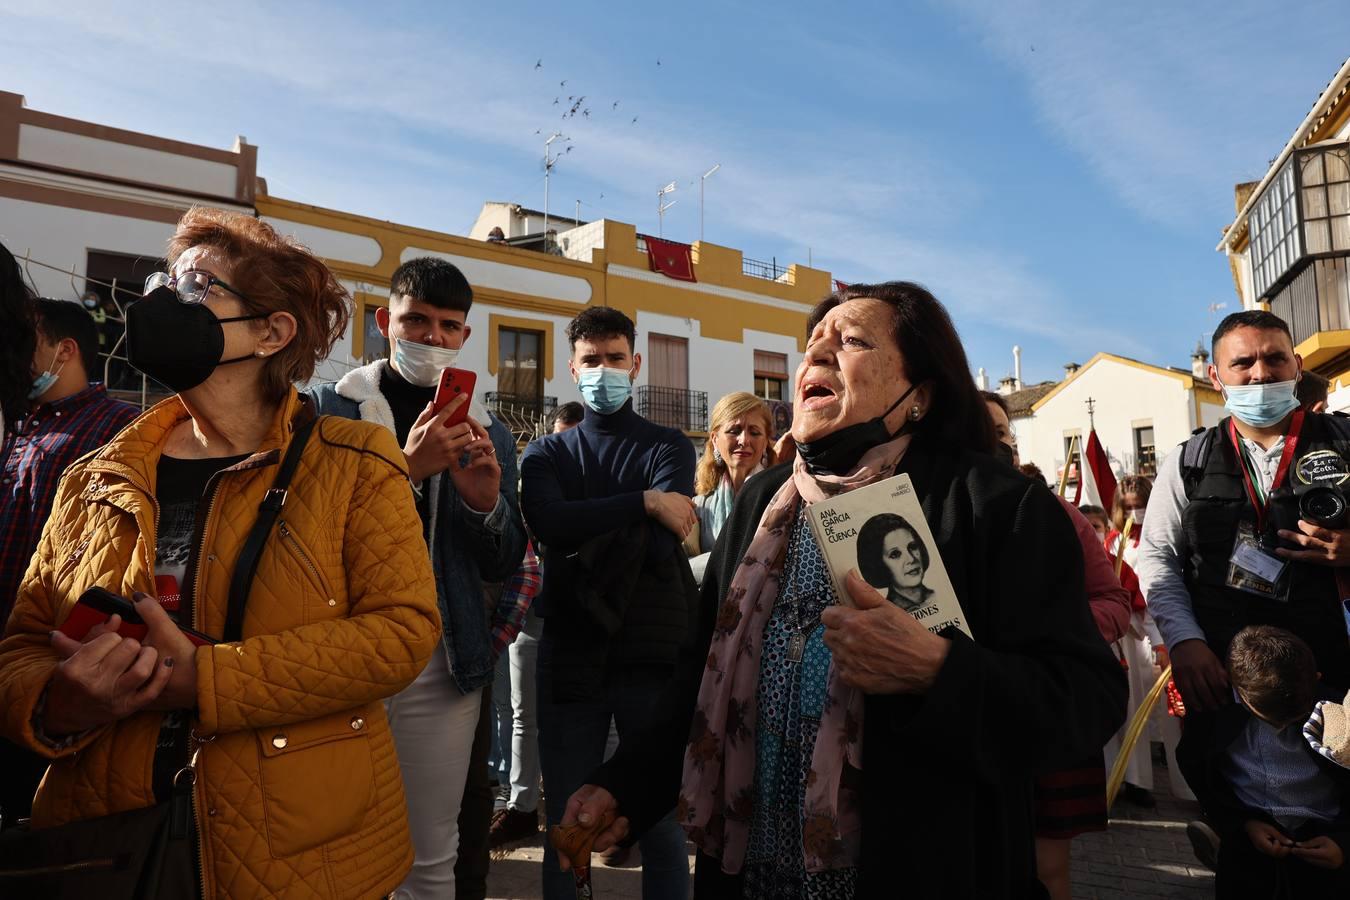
(603, 389)
(43, 383)
(1261, 405)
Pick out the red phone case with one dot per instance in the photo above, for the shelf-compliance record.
(453, 383)
(97, 606)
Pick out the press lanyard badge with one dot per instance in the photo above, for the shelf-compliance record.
(1252, 568)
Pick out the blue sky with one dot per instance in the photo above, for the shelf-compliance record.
(1057, 173)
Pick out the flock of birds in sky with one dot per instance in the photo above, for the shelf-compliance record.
(589, 108)
(571, 106)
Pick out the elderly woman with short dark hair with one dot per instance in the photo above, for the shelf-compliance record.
(839, 749)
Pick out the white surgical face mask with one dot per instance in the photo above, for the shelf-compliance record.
(421, 364)
(1138, 515)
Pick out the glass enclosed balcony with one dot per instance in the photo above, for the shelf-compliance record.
(1303, 215)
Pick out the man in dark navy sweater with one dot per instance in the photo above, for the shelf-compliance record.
(610, 502)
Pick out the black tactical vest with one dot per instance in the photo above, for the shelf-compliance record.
(1217, 503)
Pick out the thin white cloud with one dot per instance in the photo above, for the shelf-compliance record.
(1170, 104)
(436, 121)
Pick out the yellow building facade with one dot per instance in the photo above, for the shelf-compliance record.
(91, 208)
(726, 331)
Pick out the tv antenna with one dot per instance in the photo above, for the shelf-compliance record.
(550, 160)
(662, 206)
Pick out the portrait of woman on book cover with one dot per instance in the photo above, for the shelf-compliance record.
(893, 558)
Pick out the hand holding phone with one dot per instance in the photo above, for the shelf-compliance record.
(147, 663)
(439, 440)
(96, 606)
(455, 383)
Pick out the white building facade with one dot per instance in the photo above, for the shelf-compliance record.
(1141, 412)
(91, 200)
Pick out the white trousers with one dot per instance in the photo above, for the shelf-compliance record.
(433, 726)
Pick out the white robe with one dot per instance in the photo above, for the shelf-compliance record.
(1143, 674)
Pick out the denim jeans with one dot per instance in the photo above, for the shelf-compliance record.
(499, 762)
(516, 705)
(572, 740)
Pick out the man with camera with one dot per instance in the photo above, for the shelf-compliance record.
(1247, 526)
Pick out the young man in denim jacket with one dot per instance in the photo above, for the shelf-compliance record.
(465, 478)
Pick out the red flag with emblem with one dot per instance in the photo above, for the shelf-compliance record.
(671, 258)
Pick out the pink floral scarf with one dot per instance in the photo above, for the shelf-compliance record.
(716, 805)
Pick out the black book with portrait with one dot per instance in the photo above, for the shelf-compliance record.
(880, 530)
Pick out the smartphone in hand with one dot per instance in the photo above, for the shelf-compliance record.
(97, 606)
(455, 382)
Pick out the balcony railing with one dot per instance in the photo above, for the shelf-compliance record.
(769, 271)
(674, 407)
(1318, 299)
(525, 416)
(500, 402)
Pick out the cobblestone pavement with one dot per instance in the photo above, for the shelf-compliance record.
(517, 877)
(1144, 855)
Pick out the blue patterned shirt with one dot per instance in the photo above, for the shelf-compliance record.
(1275, 771)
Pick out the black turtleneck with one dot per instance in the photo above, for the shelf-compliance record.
(589, 480)
(407, 400)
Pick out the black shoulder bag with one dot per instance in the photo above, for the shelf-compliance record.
(140, 854)
(246, 566)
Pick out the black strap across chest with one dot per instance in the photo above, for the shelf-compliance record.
(268, 512)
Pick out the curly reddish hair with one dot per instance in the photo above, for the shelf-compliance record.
(276, 274)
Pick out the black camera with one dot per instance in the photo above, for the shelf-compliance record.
(1321, 504)
(1324, 505)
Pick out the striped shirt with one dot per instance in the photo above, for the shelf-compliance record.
(35, 454)
(517, 595)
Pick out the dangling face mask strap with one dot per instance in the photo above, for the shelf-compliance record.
(908, 421)
(43, 382)
(54, 365)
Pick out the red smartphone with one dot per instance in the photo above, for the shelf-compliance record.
(97, 606)
(455, 382)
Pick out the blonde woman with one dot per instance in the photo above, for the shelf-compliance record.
(737, 447)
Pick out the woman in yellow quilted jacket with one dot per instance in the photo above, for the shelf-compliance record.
(297, 791)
